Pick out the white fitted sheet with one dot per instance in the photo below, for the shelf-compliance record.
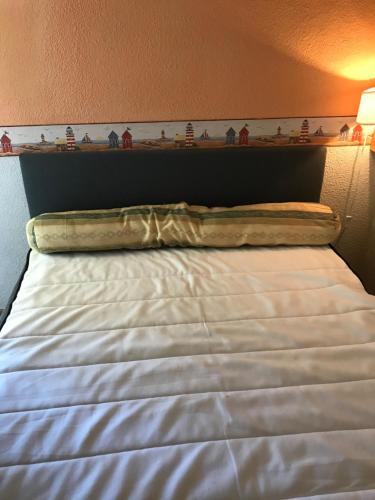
(188, 373)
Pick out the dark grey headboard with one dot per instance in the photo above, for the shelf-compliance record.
(212, 177)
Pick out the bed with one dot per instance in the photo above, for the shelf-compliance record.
(186, 372)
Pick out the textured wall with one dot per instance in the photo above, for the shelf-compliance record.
(138, 60)
(349, 187)
(13, 216)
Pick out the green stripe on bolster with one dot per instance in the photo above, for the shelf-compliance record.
(190, 213)
(127, 222)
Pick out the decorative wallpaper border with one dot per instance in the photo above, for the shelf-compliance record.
(294, 132)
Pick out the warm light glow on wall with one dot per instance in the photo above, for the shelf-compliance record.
(362, 69)
(337, 38)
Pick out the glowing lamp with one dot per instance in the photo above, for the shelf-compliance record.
(366, 111)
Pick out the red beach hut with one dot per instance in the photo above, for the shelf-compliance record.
(243, 136)
(127, 139)
(357, 133)
(6, 144)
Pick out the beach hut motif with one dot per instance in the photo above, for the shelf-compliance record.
(230, 136)
(189, 135)
(357, 133)
(293, 137)
(60, 144)
(179, 140)
(6, 143)
(86, 139)
(127, 139)
(304, 133)
(344, 132)
(70, 139)
(113, 140)
(243, 136)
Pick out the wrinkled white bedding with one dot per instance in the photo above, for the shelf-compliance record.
(187, 373)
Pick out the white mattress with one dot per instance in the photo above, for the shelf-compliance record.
(187, 373)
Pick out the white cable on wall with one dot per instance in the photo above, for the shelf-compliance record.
(352, 191)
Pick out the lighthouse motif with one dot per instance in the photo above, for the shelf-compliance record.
(70, 139)
(189, 135)
(304, 134)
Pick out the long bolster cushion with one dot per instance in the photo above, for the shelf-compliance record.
(153, 226)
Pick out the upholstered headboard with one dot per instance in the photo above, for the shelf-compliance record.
(217, 177)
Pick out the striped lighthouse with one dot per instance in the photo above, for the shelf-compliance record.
(304, 134)
(70, 139)
(189, 136)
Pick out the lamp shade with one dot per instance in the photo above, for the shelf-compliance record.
(366, 110)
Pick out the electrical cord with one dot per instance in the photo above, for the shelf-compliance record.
(352, 192)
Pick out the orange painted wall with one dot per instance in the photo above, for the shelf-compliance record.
(138, 60)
